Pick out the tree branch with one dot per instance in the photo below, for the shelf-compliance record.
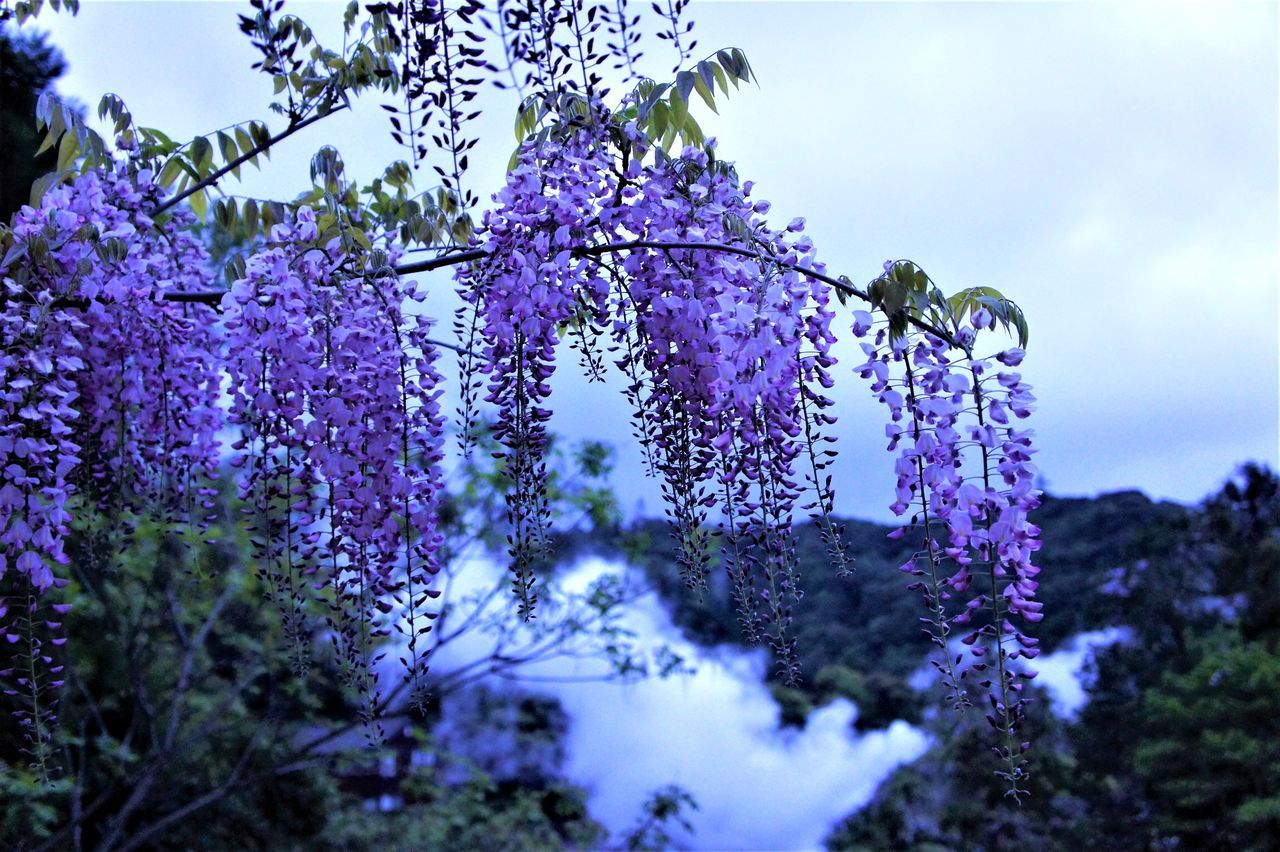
(214, 297)
(242, 159)
(205, 800)
(188, 660)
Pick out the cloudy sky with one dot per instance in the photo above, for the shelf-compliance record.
(1111, 167)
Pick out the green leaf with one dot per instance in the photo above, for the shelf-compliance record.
(272, 213)
(705, 92)
(199, 204)
(894, 298)
(201, 153)
(721, 80)
(228, 147)
(68, 151)
(251, 216)
(684, 85)
(658, 120)
(44, 183)
(841, 295)
(56, 124)
(234, 269)
(679, 109)
(651, 99)
(243, 140)
(45, 105)
(159, 142)
(526, 120)
(744, 66)
(669, 138)
(730, 66)
(897, 326)
(691, 131)
(15, 252)
(261, 137)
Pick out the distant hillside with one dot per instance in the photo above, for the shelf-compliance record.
(859, 635)
(1178, 744)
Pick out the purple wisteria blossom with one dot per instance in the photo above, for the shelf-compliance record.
(114, 402)
(661, 265)
(727, 353)
(966, 481)
(336, 392)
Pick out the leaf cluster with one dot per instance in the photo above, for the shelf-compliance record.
(906, 293)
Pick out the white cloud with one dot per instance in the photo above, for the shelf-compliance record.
(716, 734)
(1062, 673)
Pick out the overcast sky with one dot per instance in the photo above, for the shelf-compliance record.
(1111, 167)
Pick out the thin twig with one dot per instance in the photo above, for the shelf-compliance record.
(243, 158)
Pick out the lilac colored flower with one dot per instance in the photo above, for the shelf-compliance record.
(965, 475)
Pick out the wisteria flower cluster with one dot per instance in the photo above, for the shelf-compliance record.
(120, 374)
(150, 388)
(726, 354)
(965, 477)
(722, 327)
(336, 393)
(532, 282)
(112, 395)
(115, 401)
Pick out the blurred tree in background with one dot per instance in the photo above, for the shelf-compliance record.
(28, 66)
(1179, 743)
(186, 726)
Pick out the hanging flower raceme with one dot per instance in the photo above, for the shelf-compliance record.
(39, 357)
(532, 282)
(965, 477)
(729, 353)
(149, 394)
(726, 353)
(335, 389)
(93, 353)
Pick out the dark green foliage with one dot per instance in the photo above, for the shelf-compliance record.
(1177, 745)
(793, 705)
(179, 693)
(880, 698)
(459, 806)
(665, 806)
(1242, 519)
(1087, 541)
(1210, 750)
(951, 798)
(866, 623)
(184, 726)
(28, 65)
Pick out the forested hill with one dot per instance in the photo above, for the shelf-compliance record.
(867, 621)
(1178, 745)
